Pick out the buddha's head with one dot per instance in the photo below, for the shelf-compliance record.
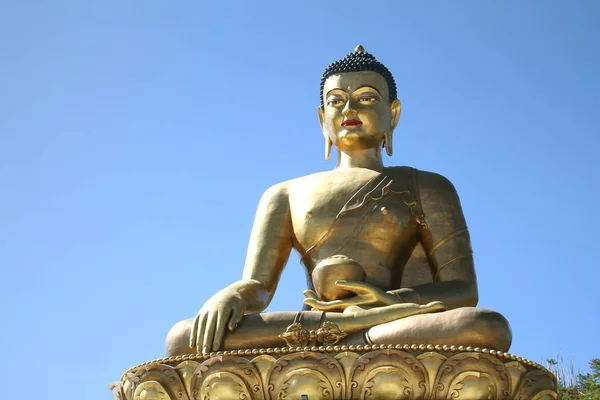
(359, 106)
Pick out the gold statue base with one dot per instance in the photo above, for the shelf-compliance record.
(340, 372)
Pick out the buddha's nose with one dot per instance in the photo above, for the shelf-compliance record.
(348, 109)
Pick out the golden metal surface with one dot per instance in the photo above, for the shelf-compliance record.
(386, 249)
(330, 270)
(328, 334)
(340, 372)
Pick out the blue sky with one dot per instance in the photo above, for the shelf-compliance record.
(137, 137)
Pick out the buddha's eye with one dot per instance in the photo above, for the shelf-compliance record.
(334, 102)
(367, 99)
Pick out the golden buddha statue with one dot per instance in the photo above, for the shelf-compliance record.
(386, 249)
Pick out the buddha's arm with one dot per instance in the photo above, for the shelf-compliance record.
(445, 239)
(268, 250)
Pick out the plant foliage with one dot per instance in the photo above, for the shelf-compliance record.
(576, 386)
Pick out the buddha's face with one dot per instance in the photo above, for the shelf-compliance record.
(357, 111)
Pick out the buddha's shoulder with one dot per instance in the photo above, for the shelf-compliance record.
(301, 182)
(333, 178)
(433, 181)
(401, 175)
(419, 176)
(308, 183)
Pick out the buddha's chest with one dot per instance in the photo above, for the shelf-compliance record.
(351, 213)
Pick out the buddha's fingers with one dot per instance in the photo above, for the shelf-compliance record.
(310, 294)
(236, 317)
(194, 331)
(335, 305)
(209, 333)
(222, 318)
(359, 288)
(200, 331)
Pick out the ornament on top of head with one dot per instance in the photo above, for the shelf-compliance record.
(357, 61)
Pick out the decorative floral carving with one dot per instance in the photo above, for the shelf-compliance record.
(151, 390)
(340, 372)
(156, 382)
(222, 377)
(385, 373)
(472, 376)
(186, 370)
(313, 374)
(224, 386)
(533, 386)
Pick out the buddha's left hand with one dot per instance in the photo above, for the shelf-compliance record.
(366, 295)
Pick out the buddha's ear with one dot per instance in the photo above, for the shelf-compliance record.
(321, 113)
(395, 111)
(328, 142)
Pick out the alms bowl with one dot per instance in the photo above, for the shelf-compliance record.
(333, 269)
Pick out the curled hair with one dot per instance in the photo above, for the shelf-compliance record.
(359, 60)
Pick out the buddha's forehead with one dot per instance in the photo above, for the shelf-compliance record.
(350, 81)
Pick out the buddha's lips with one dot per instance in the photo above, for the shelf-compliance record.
(352, 122)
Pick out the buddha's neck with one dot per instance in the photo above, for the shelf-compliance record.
(368, 158)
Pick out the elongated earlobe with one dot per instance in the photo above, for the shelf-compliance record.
(328, 145)
(395, 111)
(387, 143)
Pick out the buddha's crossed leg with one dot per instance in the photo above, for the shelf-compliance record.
(396, 324)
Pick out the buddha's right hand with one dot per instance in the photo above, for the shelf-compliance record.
(225, 309)
(355, 318)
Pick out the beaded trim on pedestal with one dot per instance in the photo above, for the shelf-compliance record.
(329, 349)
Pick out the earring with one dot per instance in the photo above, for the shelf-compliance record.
(328, 145)
(387, 143)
